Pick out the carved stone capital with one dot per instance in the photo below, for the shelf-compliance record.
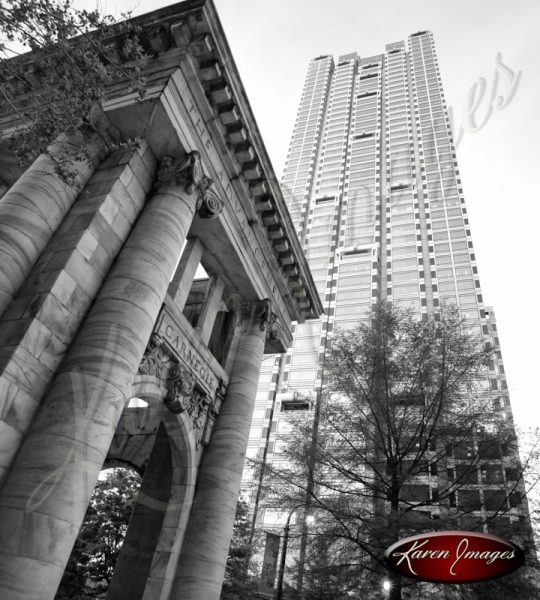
(187, 171)
(258, 312)
(261, 313)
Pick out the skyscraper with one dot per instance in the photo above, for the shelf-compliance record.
(373, 187)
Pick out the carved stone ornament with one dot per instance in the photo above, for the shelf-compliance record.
(274, 330)
(188, 172)
(180, 385)
(99, 122)
(183, 395)
(210, 205)
(197, 408)
(264, 312)
(261, 313)
(155, 360)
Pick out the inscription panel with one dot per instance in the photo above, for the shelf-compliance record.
(191, 354)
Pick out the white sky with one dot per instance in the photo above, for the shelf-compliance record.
(272, 44)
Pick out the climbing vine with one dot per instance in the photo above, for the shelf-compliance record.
(56, 65)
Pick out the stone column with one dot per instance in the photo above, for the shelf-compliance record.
(45, 495)
(32, 209)
(208, 536)
(134, 563)
(38, 327)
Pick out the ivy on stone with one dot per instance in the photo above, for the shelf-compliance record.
(56, 66)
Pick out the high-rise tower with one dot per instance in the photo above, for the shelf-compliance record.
(373, 187)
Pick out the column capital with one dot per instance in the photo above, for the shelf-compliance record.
(260, 314)
(187, 172)
(256, 313)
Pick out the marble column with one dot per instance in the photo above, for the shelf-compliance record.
(206, 544)
(32, 209)
(45, 495)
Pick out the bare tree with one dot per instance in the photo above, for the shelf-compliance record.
(408, 441)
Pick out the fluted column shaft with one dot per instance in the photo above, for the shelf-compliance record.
(208, 536)
(45, 496)
(30, 212)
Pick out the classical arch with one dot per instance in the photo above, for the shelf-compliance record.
(163, 446)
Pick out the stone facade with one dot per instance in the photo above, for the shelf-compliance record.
(98, 305)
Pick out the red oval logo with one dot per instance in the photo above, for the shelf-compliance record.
(454, 557)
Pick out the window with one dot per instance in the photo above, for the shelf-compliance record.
(415, 493)
(492, 474)
(401, 240)
(301, 405)
(511, 473)
(488, 449)
(495, 500)
(404, 276)
(446, 286)
(445, 273)
(463, 271)
(404, 262)
(466, 473)
(467, 300)
(404, 251)
(469, 499)
(464, 450)
(465, 285)
(406, 289)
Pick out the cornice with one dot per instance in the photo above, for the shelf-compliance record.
(194, 27)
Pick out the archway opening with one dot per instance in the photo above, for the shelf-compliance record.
(96, 550)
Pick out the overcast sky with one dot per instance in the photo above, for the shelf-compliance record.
(272, 44)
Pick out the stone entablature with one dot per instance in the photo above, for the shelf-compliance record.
(193, 379)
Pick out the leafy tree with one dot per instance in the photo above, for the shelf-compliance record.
(325, 577)
(91, 565)
(405, 433)
(56, 64)
(238, 583)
